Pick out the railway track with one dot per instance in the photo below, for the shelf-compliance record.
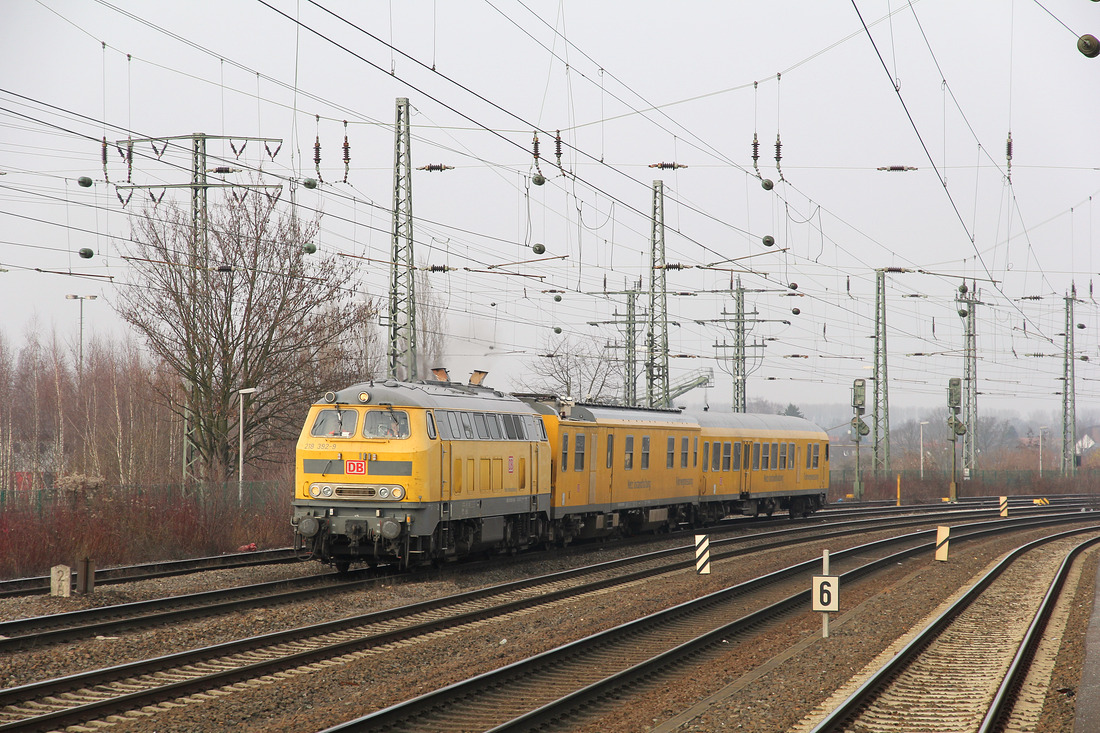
(129, 573)
(553, 690)
(964, 670)
(108, 620)
(103, 693)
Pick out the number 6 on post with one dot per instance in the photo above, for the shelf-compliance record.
(826, 593)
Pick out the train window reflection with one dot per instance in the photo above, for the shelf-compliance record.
(386, 424)
(335, 423)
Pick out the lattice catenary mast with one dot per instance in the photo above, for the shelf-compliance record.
(402, 311)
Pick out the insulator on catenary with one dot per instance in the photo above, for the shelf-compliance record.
(129, 160)
(268, 149)
(347, 152)
(105, 176)
(317, 153)
(535, 146)
(755, 153)
(557, 147)
(439, 268)
(1008, 154)
(238, 153)
(436, 167)
(897, 168)
(667, 166)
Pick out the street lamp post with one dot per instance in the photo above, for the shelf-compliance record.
(1041, 429)
(240, 425)
(81, 298)
(923, 423)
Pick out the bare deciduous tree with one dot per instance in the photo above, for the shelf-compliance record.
(582, 370)
(252, 310)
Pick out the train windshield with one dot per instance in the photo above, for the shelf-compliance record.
(335, 423)
(386, 424)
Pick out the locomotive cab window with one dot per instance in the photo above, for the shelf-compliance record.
(565, 451)
(578, 453)
(610, 449)
(335, 424)
(386, 424)
(706, 455)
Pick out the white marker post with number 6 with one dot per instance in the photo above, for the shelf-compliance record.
(825, 593)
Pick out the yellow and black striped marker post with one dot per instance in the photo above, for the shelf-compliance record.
(1004, 506)
(1041, 502)
(943, 534)
(702, 554)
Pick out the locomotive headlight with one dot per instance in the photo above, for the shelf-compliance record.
(326, 491)
(383, 493)
(315, 491)
(398, 492)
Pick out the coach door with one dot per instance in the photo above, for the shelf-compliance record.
(745, 468)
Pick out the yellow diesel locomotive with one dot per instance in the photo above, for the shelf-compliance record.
(412, 473)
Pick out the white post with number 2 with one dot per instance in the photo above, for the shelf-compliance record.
(825, 594)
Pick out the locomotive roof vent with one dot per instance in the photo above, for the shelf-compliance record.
(441, 374)
(478, 377)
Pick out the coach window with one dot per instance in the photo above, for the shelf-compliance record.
(775, 456)
(565, 451)
(334, 424)
(695, 453)
(706, 455)
(716, 458)
(737, 455)
(766, 456)
(670, 458)
(783, 456)
(790, 456)
(727, 450)
(578, 455)
(645, 452)
(610, 448)
(817, 449)
(683, 452)
(628, 453)
(826, 452)
(756, 456)
(809, 456)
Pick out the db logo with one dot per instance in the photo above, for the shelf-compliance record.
(355, 468)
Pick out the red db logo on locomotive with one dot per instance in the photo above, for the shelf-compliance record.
(355, 468)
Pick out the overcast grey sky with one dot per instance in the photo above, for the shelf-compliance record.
(935, 85)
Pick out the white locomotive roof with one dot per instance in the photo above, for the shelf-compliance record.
(435, 395)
